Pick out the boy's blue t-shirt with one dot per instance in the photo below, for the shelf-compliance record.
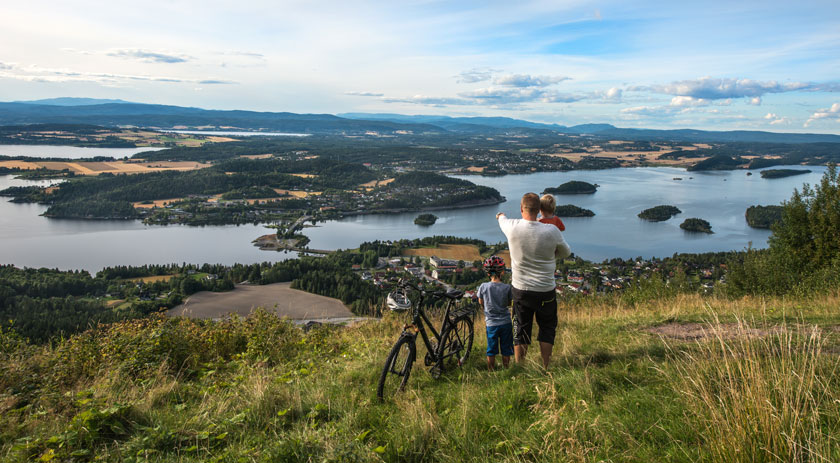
(497, 298)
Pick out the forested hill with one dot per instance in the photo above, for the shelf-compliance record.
(115, 113)
(163, 116)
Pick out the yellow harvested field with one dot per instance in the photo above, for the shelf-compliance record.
(158, 203)
(375, 183)
(256, 156)
(304, 175)
(506, 256)
(153, 279)
(19, 165)
(114, 303)
(465, 252)
(297, 193)
(116, 167)
(264, 200)
(618, 142)
(476, 169)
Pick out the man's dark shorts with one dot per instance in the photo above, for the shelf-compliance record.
(528, 305)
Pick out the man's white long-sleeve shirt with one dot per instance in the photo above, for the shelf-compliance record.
(534, 250)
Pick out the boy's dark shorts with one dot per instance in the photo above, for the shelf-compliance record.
(530, 304)
(500, 338)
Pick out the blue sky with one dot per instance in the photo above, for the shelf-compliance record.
(711, 65)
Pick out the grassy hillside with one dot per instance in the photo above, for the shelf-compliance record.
(680, 379)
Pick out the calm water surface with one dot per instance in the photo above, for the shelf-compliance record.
(718, 197)
(27, 239)
(69, 152)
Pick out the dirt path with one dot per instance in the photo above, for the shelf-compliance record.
(278, 298)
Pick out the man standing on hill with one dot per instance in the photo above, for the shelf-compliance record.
(534, 250)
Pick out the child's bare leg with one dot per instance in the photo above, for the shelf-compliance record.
(491, 362)
(506, 360)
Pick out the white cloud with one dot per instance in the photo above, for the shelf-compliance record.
(755, 101)
(652, 111)
(722, 88)
(363, 94)
(688, 101)
(475, 75)
(39, 74)
(774, 119)
(831, 113)
(525, 80)
(494, 95)
(149, 56)
(430, 100)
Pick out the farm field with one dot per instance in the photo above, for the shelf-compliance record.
(152, 279)
(278, 298)
(115, 167)
(465, 252)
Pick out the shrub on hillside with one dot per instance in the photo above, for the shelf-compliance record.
(804, 252)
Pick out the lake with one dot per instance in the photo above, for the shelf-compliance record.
(27, 239)
(719, 197)
(69, 152)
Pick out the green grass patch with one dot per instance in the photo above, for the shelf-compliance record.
(261, 389)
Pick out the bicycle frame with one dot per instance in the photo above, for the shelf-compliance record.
(419, 317)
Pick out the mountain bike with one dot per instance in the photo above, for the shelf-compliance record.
(445, 349)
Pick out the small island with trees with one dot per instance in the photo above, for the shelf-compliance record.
(573, 187)
(696, 225)
(763, 216)
(570, 210)
(425, 219)
(659, 213)
(782, 173)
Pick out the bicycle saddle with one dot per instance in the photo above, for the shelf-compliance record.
(454, 294)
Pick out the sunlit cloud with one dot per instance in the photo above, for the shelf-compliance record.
(363, 93)
(831, 113)
(149, 56)
(720, 88)
(39, 74)
(476, 75)
(525, 80)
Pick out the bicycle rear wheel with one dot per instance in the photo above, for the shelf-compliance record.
(397, 367)
(457, 343)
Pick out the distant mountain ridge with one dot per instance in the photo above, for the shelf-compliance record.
(123, 113)
(72, 101)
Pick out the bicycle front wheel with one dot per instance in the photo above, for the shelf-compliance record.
(397, 367)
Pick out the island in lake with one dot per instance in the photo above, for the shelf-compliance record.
(573, 187)
(696, 225)
(425, 219)
(782, 173)
(570, 210)
(659, 213)
(717, 162)
(763, 216)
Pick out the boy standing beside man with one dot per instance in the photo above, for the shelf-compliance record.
(495, 297)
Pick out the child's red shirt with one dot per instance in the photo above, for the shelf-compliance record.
(554, 221)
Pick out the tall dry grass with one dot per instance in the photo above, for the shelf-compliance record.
(762, 396)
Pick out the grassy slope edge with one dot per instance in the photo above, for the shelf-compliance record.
(758, 381)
